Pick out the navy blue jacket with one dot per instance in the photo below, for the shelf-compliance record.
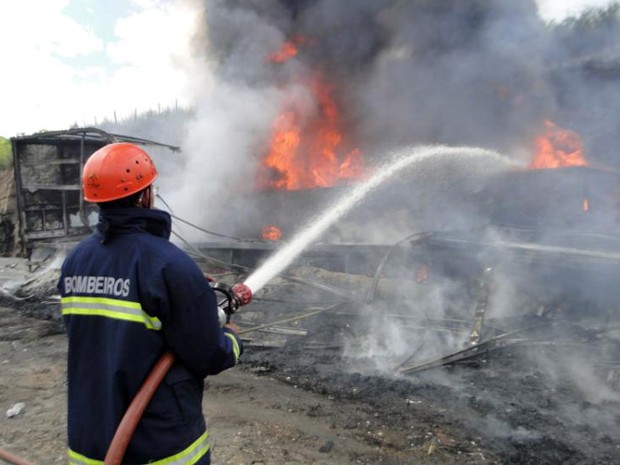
(129, 295)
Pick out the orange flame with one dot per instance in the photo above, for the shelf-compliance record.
(284, 145)
(307, 154)
(586, 204)
(287, 50)
(271, 233)
(557, 147)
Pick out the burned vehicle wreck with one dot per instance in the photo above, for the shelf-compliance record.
(47, 171)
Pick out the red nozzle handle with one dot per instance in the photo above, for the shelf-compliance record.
(242, 293)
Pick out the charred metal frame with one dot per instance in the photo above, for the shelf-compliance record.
(48, 170)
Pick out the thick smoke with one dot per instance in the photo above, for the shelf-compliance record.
(435, 71)
(482, 73)
(236, 103)
(404, 73)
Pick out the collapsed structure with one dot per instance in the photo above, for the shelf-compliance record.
(48, 209)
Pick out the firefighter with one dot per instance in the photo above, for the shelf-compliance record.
(128, 295)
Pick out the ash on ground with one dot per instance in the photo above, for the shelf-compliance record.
(537, 387)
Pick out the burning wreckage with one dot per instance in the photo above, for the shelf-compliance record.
(540, 262)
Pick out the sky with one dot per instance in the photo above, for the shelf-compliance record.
(78, 62)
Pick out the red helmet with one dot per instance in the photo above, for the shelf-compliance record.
(116, 171)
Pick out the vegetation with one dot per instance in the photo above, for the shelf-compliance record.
(6, 153)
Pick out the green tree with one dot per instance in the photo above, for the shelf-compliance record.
(6, 153)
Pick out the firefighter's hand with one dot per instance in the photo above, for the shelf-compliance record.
(233, 327)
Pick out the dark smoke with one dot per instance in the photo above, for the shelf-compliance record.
(439, 71)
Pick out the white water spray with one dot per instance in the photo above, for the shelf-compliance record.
(401, 159)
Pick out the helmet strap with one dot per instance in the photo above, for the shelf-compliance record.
(146, 199)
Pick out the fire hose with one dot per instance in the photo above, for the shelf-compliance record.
(13, 459)
(132, 416)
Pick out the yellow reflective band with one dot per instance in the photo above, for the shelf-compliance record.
(235, 345)
(109, 308)
(79, 459)
(188, 456)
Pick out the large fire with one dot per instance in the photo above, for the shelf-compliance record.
(308, 152)
(557, 147)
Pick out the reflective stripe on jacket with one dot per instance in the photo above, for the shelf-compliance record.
(110, 308)
(188, 456)
(128, 295)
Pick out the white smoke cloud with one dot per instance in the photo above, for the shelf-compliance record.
(554, 10)
(220, 150)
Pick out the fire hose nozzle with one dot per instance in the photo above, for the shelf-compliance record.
(242, 294)
(234, 297)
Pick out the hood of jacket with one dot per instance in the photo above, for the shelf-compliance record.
(133, 220)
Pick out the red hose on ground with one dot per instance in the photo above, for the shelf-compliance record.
(132, 416)
(13, 459)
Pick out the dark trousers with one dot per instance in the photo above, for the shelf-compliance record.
(205, 459)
